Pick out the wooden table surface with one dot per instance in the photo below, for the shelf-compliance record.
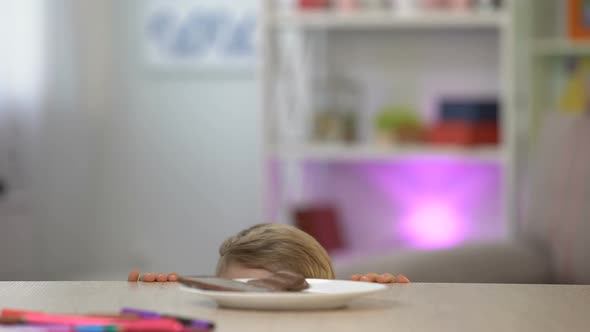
(404, 308)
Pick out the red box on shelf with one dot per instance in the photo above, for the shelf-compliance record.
(313, 4)
(464, 133)
(322, 223)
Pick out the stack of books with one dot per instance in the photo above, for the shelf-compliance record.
(467, 122)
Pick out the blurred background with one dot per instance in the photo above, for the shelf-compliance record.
(442, 139)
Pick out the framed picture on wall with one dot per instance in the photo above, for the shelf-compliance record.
(199, 35)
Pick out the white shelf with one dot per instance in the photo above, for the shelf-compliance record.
(320, 152)
(368, 20)
(435, 52)
(561, 47)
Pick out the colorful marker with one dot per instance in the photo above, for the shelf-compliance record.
(94, 324)
(37, 318)
(130, 320)
(183, 320)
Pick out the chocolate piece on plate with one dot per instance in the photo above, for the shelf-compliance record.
(220, 284)
(281, 281)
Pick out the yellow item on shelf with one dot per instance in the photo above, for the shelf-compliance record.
(575, 96)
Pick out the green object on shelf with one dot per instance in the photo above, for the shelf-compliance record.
(398, 117)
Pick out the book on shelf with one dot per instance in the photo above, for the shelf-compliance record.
(578, 16)
(574, 96)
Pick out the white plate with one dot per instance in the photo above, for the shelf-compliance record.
(321, 294)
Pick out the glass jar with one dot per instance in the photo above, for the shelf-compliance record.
(335, 116)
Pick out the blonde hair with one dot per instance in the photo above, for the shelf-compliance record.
(276, 247)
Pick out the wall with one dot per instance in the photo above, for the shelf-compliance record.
(181, 161)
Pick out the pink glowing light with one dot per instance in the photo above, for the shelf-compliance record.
(433, 226)
(427, 203)
(438, 202)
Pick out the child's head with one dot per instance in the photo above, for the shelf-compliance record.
(254, 252)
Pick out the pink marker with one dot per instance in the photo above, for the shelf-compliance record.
(159, 324)
(152, 325)
(36, 318)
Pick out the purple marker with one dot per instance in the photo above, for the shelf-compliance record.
(198, 323)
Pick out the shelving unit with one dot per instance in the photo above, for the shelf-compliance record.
(551, 52)
(559, 47)
(372, 20)
(416, 56)
(355, 153)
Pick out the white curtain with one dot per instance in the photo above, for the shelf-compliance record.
(78, 87)
(54, 70)
(21, 86)
(22, 75)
